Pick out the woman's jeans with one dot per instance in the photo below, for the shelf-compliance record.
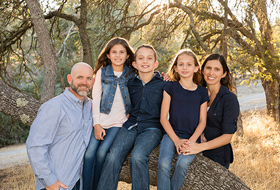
(95, 156)
(140, 145)
(166, 154)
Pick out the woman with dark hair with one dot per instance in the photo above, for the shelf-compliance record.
(222, 114)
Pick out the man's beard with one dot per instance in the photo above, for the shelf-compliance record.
(80, 92)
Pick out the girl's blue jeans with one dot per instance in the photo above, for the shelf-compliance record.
(95, 156)
(166, 153)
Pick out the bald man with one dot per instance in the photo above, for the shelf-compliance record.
(61, 132)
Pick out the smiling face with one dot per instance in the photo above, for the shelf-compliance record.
(118, 56)
(81, 80)
(213, 72)
(145, 61)
(186, 66)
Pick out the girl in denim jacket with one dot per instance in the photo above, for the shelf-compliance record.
(111, 104)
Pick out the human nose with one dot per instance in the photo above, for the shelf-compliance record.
(84, 81)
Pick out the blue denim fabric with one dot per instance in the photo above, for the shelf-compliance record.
(145, 103)
(109, 84)
(166, 154)
(141, 145)
(95, 157)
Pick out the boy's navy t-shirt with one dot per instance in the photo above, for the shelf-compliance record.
(185, 108)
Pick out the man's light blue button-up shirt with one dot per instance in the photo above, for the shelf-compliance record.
(58, 139)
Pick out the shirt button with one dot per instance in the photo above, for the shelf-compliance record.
(124, 97)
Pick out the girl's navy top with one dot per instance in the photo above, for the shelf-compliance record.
(185, 108)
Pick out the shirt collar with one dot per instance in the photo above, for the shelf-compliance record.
(156, 76)
(72, 97)
(223, 90)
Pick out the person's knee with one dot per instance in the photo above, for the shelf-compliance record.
(164, 164)
(101, 155)
(138, 158)
(89, 155)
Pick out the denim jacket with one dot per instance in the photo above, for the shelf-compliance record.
(109, 84)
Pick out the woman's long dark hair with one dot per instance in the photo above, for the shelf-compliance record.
(104, 61)
(226, 81)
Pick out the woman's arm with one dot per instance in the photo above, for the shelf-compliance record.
(194, 148)
(166, 124)
(228, 127)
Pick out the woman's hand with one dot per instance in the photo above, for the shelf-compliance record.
(192, 147)
(99, 132)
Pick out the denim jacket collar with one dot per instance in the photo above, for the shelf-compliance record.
(110, 72)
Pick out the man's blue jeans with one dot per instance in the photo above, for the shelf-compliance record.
(141, 144)
(166, 153)
(95, 157)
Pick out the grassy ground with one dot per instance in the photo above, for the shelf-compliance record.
(257, 158)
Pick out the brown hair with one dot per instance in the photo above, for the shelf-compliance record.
(146, 46)
(104, 61)
(175, 76)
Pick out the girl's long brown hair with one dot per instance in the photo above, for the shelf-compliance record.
(104, 61)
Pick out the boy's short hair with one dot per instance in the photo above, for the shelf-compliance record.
(145, 46)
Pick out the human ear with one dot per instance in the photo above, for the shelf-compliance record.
(134, 64)
(108, 56)
(224, 75)
(175, 68)
(69, 78)
(156, 65)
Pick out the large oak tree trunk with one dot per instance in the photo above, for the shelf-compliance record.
(271, 89)
(47, 51)
(203, 173)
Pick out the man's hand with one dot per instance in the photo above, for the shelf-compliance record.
(56, 186)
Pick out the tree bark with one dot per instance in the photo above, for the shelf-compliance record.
(47, 51)
(203, 173)
(18, 105)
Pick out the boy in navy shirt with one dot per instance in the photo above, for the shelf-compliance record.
(142, 132)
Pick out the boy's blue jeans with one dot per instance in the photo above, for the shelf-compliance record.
(95, 157)
(141, 144)
(166, 153)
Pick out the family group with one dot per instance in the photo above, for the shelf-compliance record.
(78, 143)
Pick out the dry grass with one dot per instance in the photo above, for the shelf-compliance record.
(257, 158)
(257, 154)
